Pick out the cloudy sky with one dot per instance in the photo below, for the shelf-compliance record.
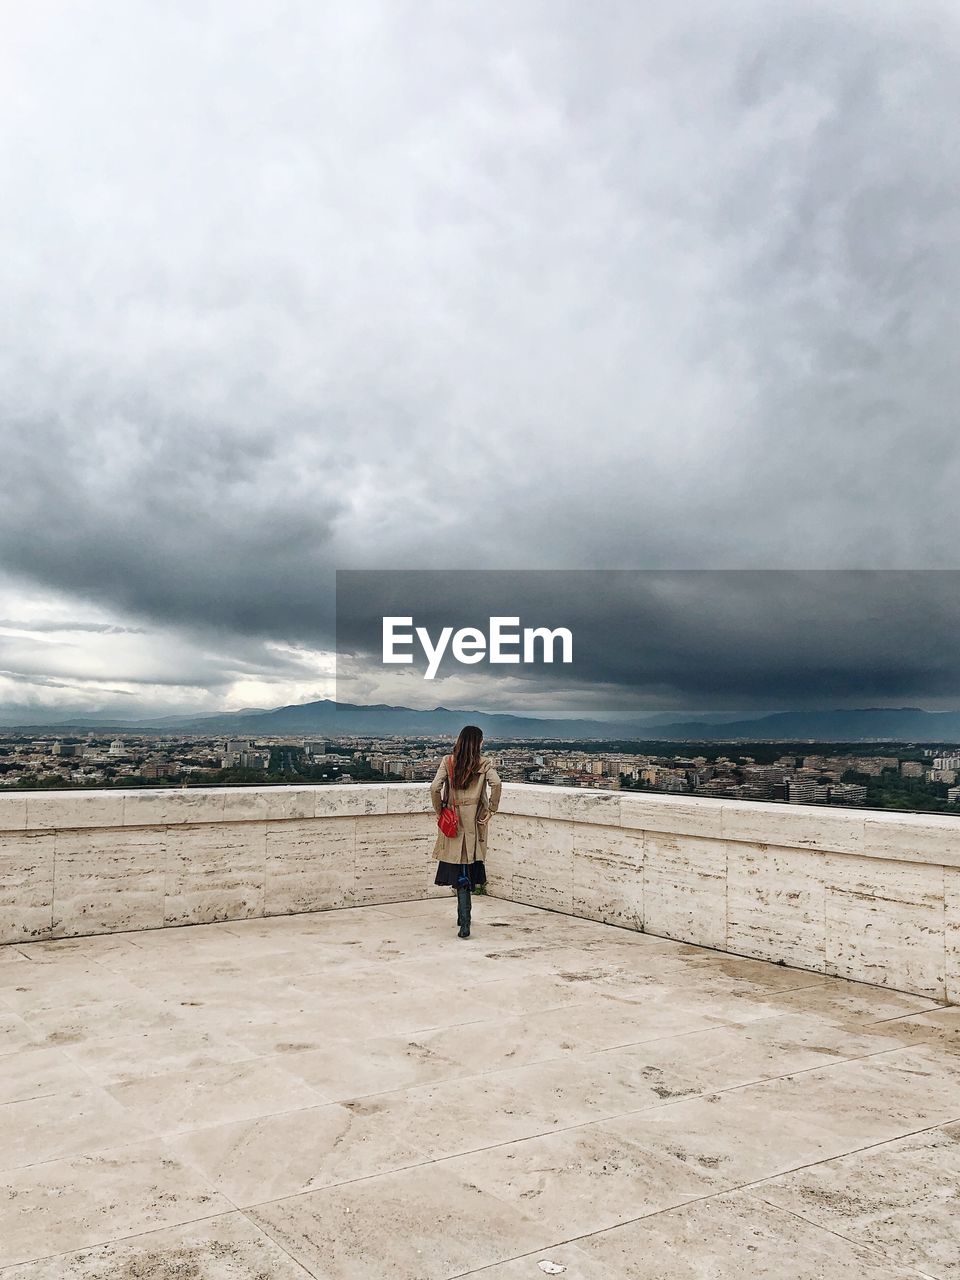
(294, 287)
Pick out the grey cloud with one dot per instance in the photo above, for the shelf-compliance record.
(738, 639)
(530, 285)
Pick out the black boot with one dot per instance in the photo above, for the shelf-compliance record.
(463, 910)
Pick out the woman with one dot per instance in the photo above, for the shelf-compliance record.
(461, 857)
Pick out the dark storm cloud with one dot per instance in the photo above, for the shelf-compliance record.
(508, 285)
(733, 638)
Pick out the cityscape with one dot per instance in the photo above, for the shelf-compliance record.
(907, 776)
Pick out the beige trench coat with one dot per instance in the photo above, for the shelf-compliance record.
(472, 802)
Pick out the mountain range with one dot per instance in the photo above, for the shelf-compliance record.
(329, 718)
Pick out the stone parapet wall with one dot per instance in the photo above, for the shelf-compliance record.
(862, 894)
(81, 862)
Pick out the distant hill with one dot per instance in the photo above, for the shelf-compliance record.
(900, 724)
(328, 718)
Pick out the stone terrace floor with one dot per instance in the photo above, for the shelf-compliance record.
(361, 1093)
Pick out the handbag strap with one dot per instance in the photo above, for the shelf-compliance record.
(450, 800)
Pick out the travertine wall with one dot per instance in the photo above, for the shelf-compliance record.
(78, 862)
(858, 893)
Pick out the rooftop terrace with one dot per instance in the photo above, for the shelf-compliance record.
(359, 1093)
(240, 1039)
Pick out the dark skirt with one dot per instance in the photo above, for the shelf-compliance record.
(449, 873)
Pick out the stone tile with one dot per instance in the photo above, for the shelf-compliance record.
(575, 1264)
(34, 1073)
(173, 805)
(520, 800)
(109, 880)
(952, 937)
(13, 812)
(73, 1025)
(726, 1057)
(732, 1237)
(916, 837)
(556, 1033)
(571, 804)
(180, 1101)
(850, 1002)
(349, 801)
(63, 810)
(422, 1223)
(542, 855)
(26, 886)
(868, 1100)
(793, 826)
(532, 992)
(465, 1113)
(227, 1247)
(252, 1161)
(270, 804)
(598, 1086)
(64, 1124)
(120, 1059)
(775, 905)
(683, 817)
(582, 1180)
(608, 874)
(408, 797)
(310, 865)
(393, 858)
(64, 1205)
(868, 942)
(66, 986)
(116, 952)
(290, 1031)
(215, 872)
(732, 1137)
(685, 888)
(351, 1069)
(15, 1033)
(899, 1198)
(407, 1013)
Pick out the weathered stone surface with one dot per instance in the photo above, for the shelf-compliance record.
(685, 888)
(215, 872)
(350, 802)
(885, 922)
(310, 865)
(227, 1247)
(899, 1199)
(915, 837)
(732, 1237)
(172, 805)
(608, 874)
(26, 885)
(393, 858)
(109, 880)
(793, 825)
(576, 805)
(671, 814)
(775, 904)
(90, 1199)
(313, 1069)
(952, 918)
(819, 896)
(60, 810)
(542, 854)
(13, 812)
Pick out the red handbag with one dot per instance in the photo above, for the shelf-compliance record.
(448, 820)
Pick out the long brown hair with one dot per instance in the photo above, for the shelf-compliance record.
(466, 756)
